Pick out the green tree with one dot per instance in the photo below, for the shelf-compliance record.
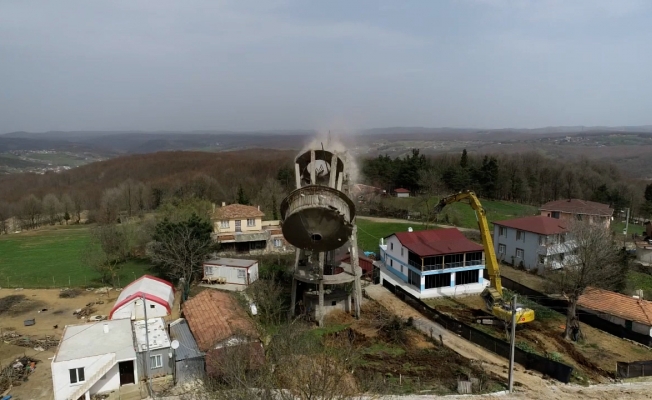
(464, 161)
(242, 197)
(180, 248)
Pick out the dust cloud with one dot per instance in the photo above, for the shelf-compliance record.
(333, 143)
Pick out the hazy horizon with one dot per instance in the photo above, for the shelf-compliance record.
(271, 65)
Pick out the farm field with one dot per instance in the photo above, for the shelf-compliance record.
(52, 257)
(593, 358)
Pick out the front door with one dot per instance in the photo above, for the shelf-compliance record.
(238, 225)
(126, 369)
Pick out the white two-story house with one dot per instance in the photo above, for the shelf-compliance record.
(438, 262)
(535, 242)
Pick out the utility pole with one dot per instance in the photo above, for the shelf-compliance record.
(626, 227)
(147, 359)
(511, 346)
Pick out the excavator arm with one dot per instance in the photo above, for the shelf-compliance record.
(490, 254)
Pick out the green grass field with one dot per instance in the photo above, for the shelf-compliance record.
(370, 232)
(52, 258)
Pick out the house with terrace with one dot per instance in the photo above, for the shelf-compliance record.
(431, 263)
(240, 229)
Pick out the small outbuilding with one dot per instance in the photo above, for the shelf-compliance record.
(402, 192)
(189, 363)
(160, 353)
(231, 270)
(158, 294)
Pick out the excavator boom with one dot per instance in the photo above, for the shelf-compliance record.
(493, 295)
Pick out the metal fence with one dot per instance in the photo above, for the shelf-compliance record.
(554, 369)
(634, 369)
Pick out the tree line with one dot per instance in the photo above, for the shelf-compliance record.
(528, 178)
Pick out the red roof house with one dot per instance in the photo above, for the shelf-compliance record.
(437, 242)
(540, 224)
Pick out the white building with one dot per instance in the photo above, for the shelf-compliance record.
(231, 270)
(438, 262)
(159, 295)
(632, 313)
(94, 358)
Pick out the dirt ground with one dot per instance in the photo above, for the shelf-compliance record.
(59, 313)
(596, 356)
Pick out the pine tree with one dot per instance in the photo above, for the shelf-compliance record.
(242, 197)
(464, 161)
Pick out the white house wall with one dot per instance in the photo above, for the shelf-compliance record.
(134, 310)
(110, 381)
(636, 326)
(61, 375)
(253, 273)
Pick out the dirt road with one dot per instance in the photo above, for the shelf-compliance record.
(408, 221)
(530, 384)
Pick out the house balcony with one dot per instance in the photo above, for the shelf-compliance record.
(556, 248)
(236, 237)
(460, 264)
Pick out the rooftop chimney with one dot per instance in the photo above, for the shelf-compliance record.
(258, 208)
(213, 204)
(106, 327)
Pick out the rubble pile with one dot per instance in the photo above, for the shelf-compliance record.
(38, 344)
(16, 372)
(83, 313)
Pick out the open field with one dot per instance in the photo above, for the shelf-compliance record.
(460, 214)
(594, 358)
(370, 232)
(52, 257)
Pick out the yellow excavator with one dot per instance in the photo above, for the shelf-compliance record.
(492, 295)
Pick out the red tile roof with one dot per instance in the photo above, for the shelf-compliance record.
(437, 242)
(537, 224)
(577, 206)
(401, 190)
(617, 304)
(214, 316)
(235, 211)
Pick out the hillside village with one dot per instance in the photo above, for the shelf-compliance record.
(223, 302)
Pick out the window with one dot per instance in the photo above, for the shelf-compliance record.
(241, 273)
(278, 243)
(502, 231)
(156, 361)
(467, 277)
(520, 235)
(555, 214)
(519, 253)
(152, 306)
(77, 375)
(224, 224)
(438, 280)
(579, 217)
(414, 279)
(501, 249)
(251, 222)
(334, 303)
(542, 259)
(391, 263)
(391, 246)
(401, 251)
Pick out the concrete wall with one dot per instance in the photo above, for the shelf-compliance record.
(166, 369)
(61, 376)
(402, 194)
(529, 244)
(636, 326)
(644, 253)
(568, 217)
(134, 310)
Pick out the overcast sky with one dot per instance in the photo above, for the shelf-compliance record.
(323, 64)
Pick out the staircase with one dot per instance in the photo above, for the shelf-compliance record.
(108, 361)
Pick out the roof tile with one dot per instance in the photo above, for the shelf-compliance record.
(538, 224)
(577, 206)
(617, 304)
(214, 316)
(437, 242)
(235, 211)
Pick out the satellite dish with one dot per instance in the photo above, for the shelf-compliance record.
(174, 344)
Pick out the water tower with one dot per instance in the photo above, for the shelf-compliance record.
(318, 218)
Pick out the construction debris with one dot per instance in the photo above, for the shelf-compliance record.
(17, 372)
(84, 312)
(69, 293)
(38, 344)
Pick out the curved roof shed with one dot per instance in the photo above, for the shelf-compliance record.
(158, 293)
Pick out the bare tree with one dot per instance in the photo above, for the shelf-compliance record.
(110, 245)
(109, 206)
(591, 260)
(52, 208)
(31, 210)
(77, 205)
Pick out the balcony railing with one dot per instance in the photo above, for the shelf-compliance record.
(460, 264)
